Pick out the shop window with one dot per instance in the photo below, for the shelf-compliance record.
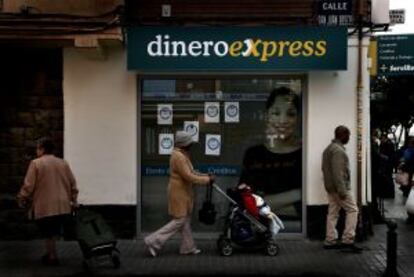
(262, 146)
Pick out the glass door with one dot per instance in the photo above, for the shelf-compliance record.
(258, 132)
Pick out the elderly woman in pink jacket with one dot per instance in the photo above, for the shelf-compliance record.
(180, 198)
(51, 188)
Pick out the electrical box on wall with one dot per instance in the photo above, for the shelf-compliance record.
(380, 11)
(166, 10)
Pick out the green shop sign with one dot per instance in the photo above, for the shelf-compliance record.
(395, 55)
(164, 49)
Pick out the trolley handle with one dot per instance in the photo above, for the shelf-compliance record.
(216, 187)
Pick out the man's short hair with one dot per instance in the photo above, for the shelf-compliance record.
(341, 130)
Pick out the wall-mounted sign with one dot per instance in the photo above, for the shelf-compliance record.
(193, 128)
(335, 12)
(213, 145)
(212, 112)
(395, 55)
(397, 16)
(216, 169)
(165, 144)
(164, 114)
(231, 112)
(165, 49)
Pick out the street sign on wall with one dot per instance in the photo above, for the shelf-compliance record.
(335, 12)
(166, 49)
(395, 55)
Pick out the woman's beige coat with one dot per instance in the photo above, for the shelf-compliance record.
(180, 186)
(51, 186)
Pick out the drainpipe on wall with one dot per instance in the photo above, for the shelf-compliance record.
(360, 107)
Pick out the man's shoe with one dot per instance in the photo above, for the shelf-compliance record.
(44, 259)
(49, 262)
(410, 219)
(332, 246)
(351, 247)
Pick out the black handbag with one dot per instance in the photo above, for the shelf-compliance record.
(207, 213)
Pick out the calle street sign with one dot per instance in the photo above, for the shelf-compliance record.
(335, 12)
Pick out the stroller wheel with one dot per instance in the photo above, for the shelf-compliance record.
(219, 240)
(272, 249)
(116, 260)
(225, 247)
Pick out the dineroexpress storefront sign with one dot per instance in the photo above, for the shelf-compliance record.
(162, 49)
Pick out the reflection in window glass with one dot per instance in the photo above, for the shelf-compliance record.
(264, 149)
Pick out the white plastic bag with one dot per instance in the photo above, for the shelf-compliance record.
(409, 205)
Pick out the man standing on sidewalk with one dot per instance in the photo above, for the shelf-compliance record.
(336, 174)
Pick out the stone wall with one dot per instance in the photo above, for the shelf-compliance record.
(31, 106)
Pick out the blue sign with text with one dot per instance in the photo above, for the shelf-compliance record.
(219, 170)
(164, 49)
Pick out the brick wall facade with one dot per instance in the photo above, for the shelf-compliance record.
(31, 106)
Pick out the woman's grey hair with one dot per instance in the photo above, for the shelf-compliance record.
(46, 144)
(183, 139)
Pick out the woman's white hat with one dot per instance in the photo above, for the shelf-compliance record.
(183, 139)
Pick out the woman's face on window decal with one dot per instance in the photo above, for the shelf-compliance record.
(282, 118)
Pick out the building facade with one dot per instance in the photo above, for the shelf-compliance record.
(126, 88)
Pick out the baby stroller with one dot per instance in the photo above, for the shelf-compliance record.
(242, 229)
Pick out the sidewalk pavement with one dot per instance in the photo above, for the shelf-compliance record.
(297, 257)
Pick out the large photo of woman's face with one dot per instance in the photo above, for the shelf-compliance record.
(273, 168)
(282, 119)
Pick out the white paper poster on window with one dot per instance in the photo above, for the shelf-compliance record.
(212, 112)
(165, 144)
(231, 112)
(213, 145)
(165, 114)
(192, 127)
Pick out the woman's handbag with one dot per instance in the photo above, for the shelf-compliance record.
(409, 205)
(207, 214)
(401, 177)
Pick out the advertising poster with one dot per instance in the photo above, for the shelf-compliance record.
(213, 145)
(193, 128)
(165, 144)
(165, 114)
(212, 112)
(231, 112)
